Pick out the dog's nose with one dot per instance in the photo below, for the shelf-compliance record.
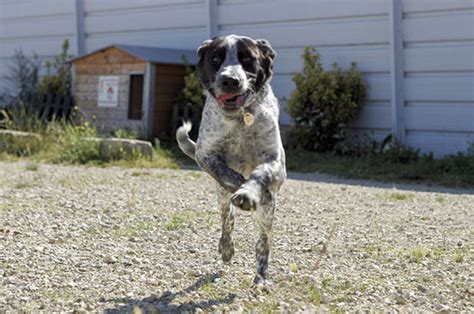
(230, 82)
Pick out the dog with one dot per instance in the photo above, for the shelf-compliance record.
(239, 141)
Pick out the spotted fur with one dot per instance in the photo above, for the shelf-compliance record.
(247, 161)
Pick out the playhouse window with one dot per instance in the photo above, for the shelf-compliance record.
(135, 97)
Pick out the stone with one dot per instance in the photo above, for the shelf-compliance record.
(110, 147)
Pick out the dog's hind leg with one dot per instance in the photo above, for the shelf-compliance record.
(264, 217)
(226, 245)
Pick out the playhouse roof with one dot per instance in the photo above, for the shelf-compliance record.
(151, 54)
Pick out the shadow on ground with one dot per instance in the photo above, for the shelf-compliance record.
(163, 303)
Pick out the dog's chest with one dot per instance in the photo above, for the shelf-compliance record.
(239, 148)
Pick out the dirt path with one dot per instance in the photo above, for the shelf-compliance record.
(111, 240)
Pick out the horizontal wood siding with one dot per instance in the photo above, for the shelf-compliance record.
(36, 27)
(342, 33)
(161, 23)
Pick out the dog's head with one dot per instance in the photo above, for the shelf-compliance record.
(233, 69)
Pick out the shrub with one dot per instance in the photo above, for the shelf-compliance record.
(323, 103)
(58, 74)
(191, 96)
(68, 144)
(23, 117)
(125, 133)
(357, 145)
(22, 77)
(398, 153)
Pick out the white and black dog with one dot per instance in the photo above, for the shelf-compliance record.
(239, 142)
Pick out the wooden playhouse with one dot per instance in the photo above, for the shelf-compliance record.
(130, 87)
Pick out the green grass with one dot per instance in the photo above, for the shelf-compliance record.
(293, 267)
(452, 171)
(63, 143)
(397, 196)
(179, 220)
(136, 228)
(32, 167)
(418, 254)
(314, 295)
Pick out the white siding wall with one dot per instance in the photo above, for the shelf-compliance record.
(439, 74)
(341, 31)
(38, 27)
(438, 47)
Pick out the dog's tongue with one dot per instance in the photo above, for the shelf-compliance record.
(224, 97)
(239, 100)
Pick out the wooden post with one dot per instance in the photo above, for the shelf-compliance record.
(212, 24)
(149, 100)
(80, 33)
(397, 72)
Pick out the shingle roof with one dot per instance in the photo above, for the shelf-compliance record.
(151, 54)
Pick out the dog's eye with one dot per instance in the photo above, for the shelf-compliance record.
(247, 59)
(215, 59)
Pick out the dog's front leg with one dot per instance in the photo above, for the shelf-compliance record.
(218, 169)
(265, 213)
(266, 176)
(259, 192)
(226, 244)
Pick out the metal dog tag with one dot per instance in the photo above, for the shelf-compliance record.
(248, 118)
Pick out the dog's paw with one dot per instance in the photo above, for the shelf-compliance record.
(245, 199)
(226, 248)
(261, 285)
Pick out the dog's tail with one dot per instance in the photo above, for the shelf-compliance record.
(187, 145)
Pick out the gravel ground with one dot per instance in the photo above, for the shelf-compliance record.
(115, 240)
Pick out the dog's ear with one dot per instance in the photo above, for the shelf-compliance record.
(266, 48)
(202, 49)
(268, 54)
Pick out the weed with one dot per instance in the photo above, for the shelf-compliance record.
(25, 185)
(459, 257)
(209, 290)
(326, 283)
(397, 196)
(293, 267)
(437, 253)
(314, 295)
(178, 221)
(136, 228)
(270, 306)
(140, 173)
(454, 171)
(195, 174)
(32, 167)
(123, 133)
(132, 201)
(418, 254)
(440, 199)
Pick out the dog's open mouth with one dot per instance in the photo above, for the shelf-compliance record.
(232, 101)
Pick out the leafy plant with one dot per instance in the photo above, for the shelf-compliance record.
(323, 103)
(22, 78)
(124, 133)
(395, 152)
(191, 97)
(192, 94)
(23, 117)
(58, 74)
(69, 143)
